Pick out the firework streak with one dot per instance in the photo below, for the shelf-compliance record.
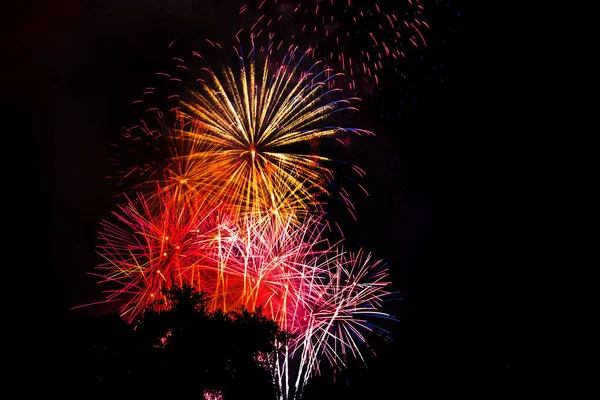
(367, 40)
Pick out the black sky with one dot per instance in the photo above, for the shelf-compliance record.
(76, 67)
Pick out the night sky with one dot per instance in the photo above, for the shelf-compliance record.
(75, 70)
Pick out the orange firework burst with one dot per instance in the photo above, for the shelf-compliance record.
(247, 125)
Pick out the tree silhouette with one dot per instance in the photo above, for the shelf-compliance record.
(185, 349)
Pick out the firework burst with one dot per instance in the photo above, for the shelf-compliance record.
(309, 286)
(236, 211)
(246, 136)
(152, 245)
(247, 125)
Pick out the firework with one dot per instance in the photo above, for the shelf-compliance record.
(309, 286)
(312, 288)
(249, 124)
(245, 136)
(153, 245)
(367, 40)
(235, 210)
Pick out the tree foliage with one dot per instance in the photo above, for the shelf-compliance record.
(186, 349)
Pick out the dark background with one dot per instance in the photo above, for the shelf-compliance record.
(73, 70)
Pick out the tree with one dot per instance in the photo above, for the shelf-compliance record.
(183, 349)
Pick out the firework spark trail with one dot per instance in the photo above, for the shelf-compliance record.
(351, 290)
(360, 37)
